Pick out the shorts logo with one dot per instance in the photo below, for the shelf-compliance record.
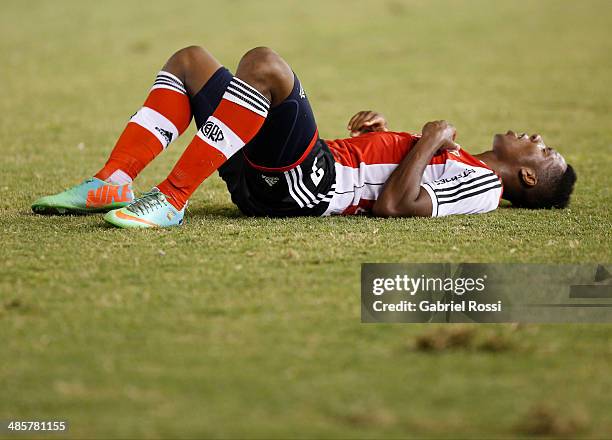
(317, 174)
(271, 181)
(213, 132)
(165, 134)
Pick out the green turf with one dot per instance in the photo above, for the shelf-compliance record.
(237, 327)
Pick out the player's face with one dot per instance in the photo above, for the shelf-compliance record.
(525, 150)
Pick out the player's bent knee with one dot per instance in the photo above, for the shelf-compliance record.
(265, 70)
(258, 54)
(193, 65)
(190, 54)
(263, 62)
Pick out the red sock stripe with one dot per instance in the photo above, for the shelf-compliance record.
(241, 121)
(135, 148)
(173, 105)
(198, 162)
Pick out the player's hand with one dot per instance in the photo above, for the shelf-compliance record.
(443, 132)
(365, 122)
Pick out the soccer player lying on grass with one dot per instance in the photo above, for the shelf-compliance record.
(258, 130)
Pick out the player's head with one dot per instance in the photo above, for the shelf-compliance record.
(535, 175)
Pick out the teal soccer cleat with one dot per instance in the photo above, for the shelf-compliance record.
(93, 195)
(152, 210)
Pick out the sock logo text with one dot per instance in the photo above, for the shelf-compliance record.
(212, 131)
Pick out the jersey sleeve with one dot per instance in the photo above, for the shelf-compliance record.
(473, 191)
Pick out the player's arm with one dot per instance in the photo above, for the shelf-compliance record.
(365, 122)
(403, 195)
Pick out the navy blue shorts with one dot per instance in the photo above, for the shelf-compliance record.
(285, 170)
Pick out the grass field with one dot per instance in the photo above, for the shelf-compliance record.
(239, 327)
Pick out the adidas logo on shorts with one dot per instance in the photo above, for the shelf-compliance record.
(271, 181)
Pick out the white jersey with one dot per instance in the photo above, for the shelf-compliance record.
(457, 182)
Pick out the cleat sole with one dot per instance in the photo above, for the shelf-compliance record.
(70, 210)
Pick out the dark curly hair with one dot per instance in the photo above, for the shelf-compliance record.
(553, 191)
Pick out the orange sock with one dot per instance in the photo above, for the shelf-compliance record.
(165, 115)
(239, 116)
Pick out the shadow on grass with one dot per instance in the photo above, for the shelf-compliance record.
(543, 420)
(216, 210)
(466, 337)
